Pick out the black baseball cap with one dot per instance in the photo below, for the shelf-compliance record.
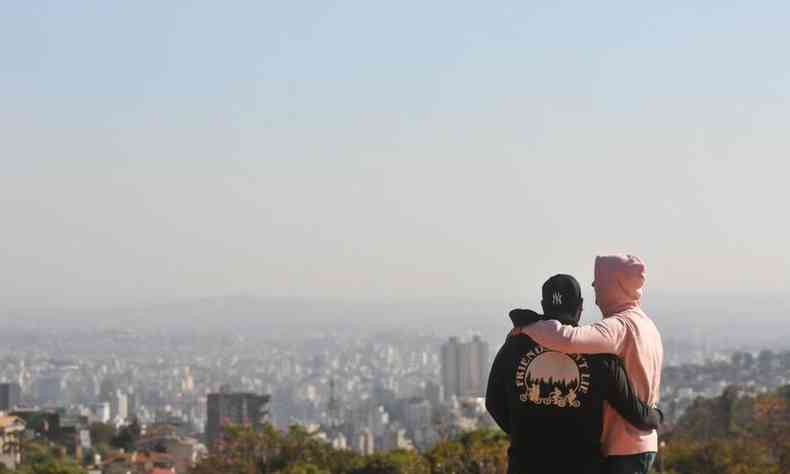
(562, 296)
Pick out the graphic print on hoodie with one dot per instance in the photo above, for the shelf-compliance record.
(562, 378)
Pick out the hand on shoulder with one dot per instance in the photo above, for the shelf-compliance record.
(522, 318)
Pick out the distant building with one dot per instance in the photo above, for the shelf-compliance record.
(101, 411)
(334, 410)
(449, 368)
(107, 390)
(416, 414)
(339, 441)
(147, 461)
(227, 408)
(474, 368)
(185, 451)
(464, 368)
(120, 406)
(188, 383)
(50, 389)
(433, 393)
(43, 422)
(425, 437)
(10, 394)
(134, 401)
(73, 434)
(372, 417)
(364, 442)
(395, 439)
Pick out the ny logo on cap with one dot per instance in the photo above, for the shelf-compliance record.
(557, 298)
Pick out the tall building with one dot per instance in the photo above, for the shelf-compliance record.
(416, 413)
(395, 439)
(188, 382)
(339, 441)
(10, 394)
(101, 411)
(364, 442)
(333, 408)
(227, 408)
(474, 368)
(133, 401)
(433, 393)
(50, 389)
(450, 372)
(107, 390)
(465, 368)
(120, 406)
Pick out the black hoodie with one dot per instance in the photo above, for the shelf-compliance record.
(551, 403)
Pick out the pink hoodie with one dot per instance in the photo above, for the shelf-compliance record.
(626, 332)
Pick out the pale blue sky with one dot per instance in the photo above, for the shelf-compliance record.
(388, 150)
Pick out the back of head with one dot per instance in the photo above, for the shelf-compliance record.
(618, 282)
(562, 299)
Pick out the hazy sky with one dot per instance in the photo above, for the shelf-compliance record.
(153, 150)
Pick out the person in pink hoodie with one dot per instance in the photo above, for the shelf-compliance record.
(627, 332)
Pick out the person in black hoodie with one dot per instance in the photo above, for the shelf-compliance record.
(551, 403)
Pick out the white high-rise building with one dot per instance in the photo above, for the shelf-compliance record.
(101, 411)
(363, 442)
(188, 382)
(339, 441)
(120, 406)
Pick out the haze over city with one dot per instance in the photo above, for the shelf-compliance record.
(155, 153)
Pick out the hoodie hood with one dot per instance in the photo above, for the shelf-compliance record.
(618, 282)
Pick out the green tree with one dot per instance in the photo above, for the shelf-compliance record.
(446, 457)
(486, 451)
(394, 462)
(772, 426)
(242, 451)
(127, 437)
(101, 433)
(302, 468)
(733, 434)
(39, 458)
(719, 417)
(720, 456)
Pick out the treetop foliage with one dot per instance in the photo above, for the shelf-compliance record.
(730, 434)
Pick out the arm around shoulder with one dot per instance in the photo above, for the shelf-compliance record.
(602, 337)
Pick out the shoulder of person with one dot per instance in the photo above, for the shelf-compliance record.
(518, 343)
(615, 321)
(634, 317)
